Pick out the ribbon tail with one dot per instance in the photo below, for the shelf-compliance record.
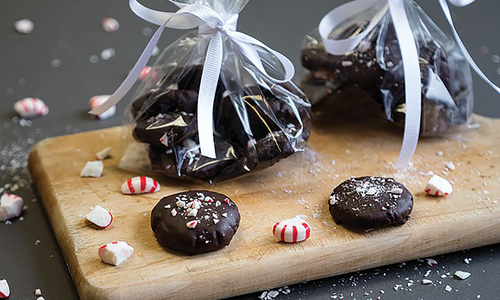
(127, 84)
(447, 13)
(206, 96)
(413, 93)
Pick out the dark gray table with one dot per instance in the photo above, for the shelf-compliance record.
(70, 32)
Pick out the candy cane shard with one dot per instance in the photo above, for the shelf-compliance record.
(438, 186)
(97, 101)
(11, 206)
(110, 24)
(92, 169)
(100, 217)
(103, 154)
(115, 253)
(140, 185)
(4, 289)
(31, 107)
(292, 230)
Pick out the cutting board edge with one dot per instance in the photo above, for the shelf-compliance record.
(90, 291)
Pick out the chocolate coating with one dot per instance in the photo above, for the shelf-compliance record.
(217, 221)
(368, 203)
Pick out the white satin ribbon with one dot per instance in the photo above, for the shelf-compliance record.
(409, 55)
(209, 22)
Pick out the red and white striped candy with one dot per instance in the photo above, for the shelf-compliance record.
(144, 73)
(292, 230)
(140, 185)
(4, 289)
(31, 107)
(11, 206)
(100, 217)
(438, 186)
(110, 24)
(115, 253)
(97, 101)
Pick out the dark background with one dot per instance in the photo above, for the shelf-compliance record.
(70, 31)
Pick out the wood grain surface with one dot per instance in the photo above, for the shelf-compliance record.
(300, 185)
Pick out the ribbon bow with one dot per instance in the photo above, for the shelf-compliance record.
(409, 55)
(209, 22)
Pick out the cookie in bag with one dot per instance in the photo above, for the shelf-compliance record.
(166, 123)
(376, 67)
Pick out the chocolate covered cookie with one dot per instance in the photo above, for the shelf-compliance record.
(371, 202)
(195, 222)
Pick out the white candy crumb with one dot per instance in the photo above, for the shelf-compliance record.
(347, 63)
(273, 294)
(38, 242)
(396, 190)
(40, 298)
(426, 281)
(38, 292)
(92, 169)
(440, 153)
(462, 275)
(467, 260)
(448, 288)
(449, 165)
(263, 295)
(24, 26)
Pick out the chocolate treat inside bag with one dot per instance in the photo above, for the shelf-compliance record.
(195, 222)
(370, 202)
(376, 67)
(254, 127)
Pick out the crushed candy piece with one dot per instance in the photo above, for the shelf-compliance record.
(110, 24)
(4, 289)
(100, 217)
(92, 169)
(438, 186)
(31, 107)
(115, 253)
(24, 26)
(103, 154)
(97, 101)
(11, 206)
(462, 275)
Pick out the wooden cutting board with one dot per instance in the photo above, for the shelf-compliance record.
(300, 185)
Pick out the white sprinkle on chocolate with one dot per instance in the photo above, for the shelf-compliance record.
(216, 221)
(193, 213)
(217, 203)
(173, 212)
(224, 215)
(346, 63)
(168, 206)
(396, 190)
(180, 203)
(426, 281)
(371, 191)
